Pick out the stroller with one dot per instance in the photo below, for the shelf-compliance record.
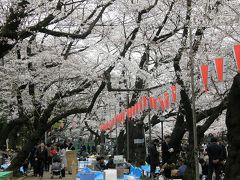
(56, 167)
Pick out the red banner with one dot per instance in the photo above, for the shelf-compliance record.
(204, 73)
(136, 107)
(237, 56)
(141, 105)
(144, 102)
(161, 103)
(133, 111)
(118, 118)
(166, 99)
(154, 104)
(174, 93)
(219, 68)
(129, 112)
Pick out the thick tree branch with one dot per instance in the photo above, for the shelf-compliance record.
(209, 112)
(133, 34)
(48, 111)
(156, 120)
(91, 131)
(78, 110)
(156, 38)
(70, 35)
(66, 114)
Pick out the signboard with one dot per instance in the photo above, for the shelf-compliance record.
(118, 159)
(71, 157)
(138, 141)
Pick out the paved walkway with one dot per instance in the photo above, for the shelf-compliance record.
(47, 176)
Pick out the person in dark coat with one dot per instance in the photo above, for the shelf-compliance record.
(154, 157)
(41, 157)
(33, 163)
(223, 157)
(100, 165)
(110, 164)
(167, 150)
(204, 168)
(214, 152)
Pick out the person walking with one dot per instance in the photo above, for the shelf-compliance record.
(154, 157)
(214, 151)
(32, 161)
(167, 150)
(41, 157)
(63, 159)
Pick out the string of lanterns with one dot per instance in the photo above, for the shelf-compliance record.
(160, 103)
(219, 67)
(163, 102)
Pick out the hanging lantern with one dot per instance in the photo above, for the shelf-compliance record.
(219, 68)
(141, 105)
(155, 104)
(161, 103)
(204, 74)
(117, 119)
(112, 122)
(136, 107)
(129, 112)
(144, 102)
(166, 99)
(237, 56)
(174, 93)
(133, 111)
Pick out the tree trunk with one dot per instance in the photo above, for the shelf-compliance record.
(233, 126)
(28, 145)
(139, 148)
(177, 135)
(121, 142)
(4, 133)
(14, 138)
(190, 172)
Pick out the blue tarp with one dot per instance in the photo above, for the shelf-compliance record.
(146, 168)
(136, 172)
(88, 174)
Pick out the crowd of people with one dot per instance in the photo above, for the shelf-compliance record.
(42, 156)
(212, 158)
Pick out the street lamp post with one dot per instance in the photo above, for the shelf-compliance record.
(162, 119)
(195, 148)
(127, 128)
(116, 132)
(149, 120)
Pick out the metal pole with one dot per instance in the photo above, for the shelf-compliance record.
(193, 107)
(102, 143)
(149, 120)
(45, 138)
(116, 133)
(162, 129)
(127, 126)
